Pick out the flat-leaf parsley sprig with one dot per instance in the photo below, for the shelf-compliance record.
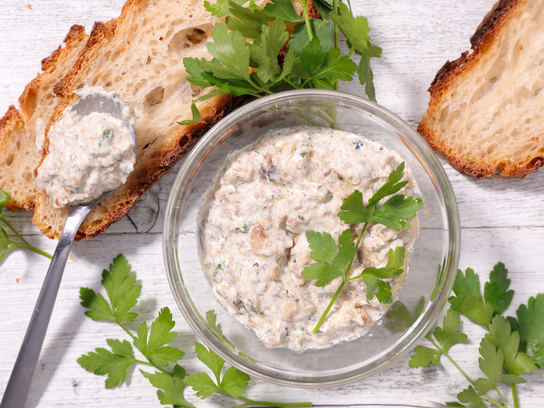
(511, 347)
(152, 342)
(247, 50)
(336, 262)
(6, 243)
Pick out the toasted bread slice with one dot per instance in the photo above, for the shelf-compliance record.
(485, 112)
(19, 154)
(140, 56)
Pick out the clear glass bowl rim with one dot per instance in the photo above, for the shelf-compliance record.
(420, 328)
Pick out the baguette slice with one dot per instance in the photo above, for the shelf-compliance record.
(19, 128)
(485, 112)
(140, 56)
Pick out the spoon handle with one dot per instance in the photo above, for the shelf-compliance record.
(23, 370)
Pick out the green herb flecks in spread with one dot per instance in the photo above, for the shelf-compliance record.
(291, 217)
(246, 50)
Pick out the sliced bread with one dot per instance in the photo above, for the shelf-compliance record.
(19, 128)
(485, 111)
(140, 56)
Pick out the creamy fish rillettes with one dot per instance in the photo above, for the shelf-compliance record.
(252, 233)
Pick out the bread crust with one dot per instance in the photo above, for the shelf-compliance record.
(17, 136)
(482, 43)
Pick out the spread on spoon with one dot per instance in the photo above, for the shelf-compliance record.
(252, 233)
(88, 154)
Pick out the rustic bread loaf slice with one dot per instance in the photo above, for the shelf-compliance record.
(140, 56)
(485, 112)
(19, 129)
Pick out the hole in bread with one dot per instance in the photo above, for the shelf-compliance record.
(493, 80)
(9, 159)
(28, 176)
(190, 37)
(31, 101)
(148, 60)
(155, 96)
(107, 84)
(535, 163)
(18, 144)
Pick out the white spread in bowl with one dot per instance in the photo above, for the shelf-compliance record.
(252, 233)
(88, 155)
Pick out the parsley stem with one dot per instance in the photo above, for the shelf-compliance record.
(488, 398)
(307, 18)
(500, 395)
(16, 233)
(336, 39)
(326, 312)
(126, 330)
(451, 359)
(515, 396)
(149, 363)
(37, 250)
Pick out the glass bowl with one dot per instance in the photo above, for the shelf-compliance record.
(432, 268)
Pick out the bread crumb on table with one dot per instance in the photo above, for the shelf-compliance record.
(29, 6)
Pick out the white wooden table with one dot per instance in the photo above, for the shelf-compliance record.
(502, 220)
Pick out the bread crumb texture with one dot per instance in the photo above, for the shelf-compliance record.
(485, 113)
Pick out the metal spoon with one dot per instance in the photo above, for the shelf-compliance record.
(23, 370)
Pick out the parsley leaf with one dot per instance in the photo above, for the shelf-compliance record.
(353, 209)
(366, 77)
(378, 288)
(221, 7)
(399, 317)
(323, 248)
(337, 262)
(249, 22)
(356, 30)
(531, 328)
(265, 50)
(396, 211)
(469, 298)
(282, 9)
(300, 37)
(501, 335)
(424, 356)
(152, 344)
(233, 381)
(391, 186)
(491, 362)
(496, 290)
(159, 335)
(470, 395)
(336, 66)
(112, 363)
(122, 292)
(448, 335)
(5, 242)
(312, 58)
(170, 387)
(395, 262)
(232, 51)
(212, 360)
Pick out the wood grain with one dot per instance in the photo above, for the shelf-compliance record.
(502, 220)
